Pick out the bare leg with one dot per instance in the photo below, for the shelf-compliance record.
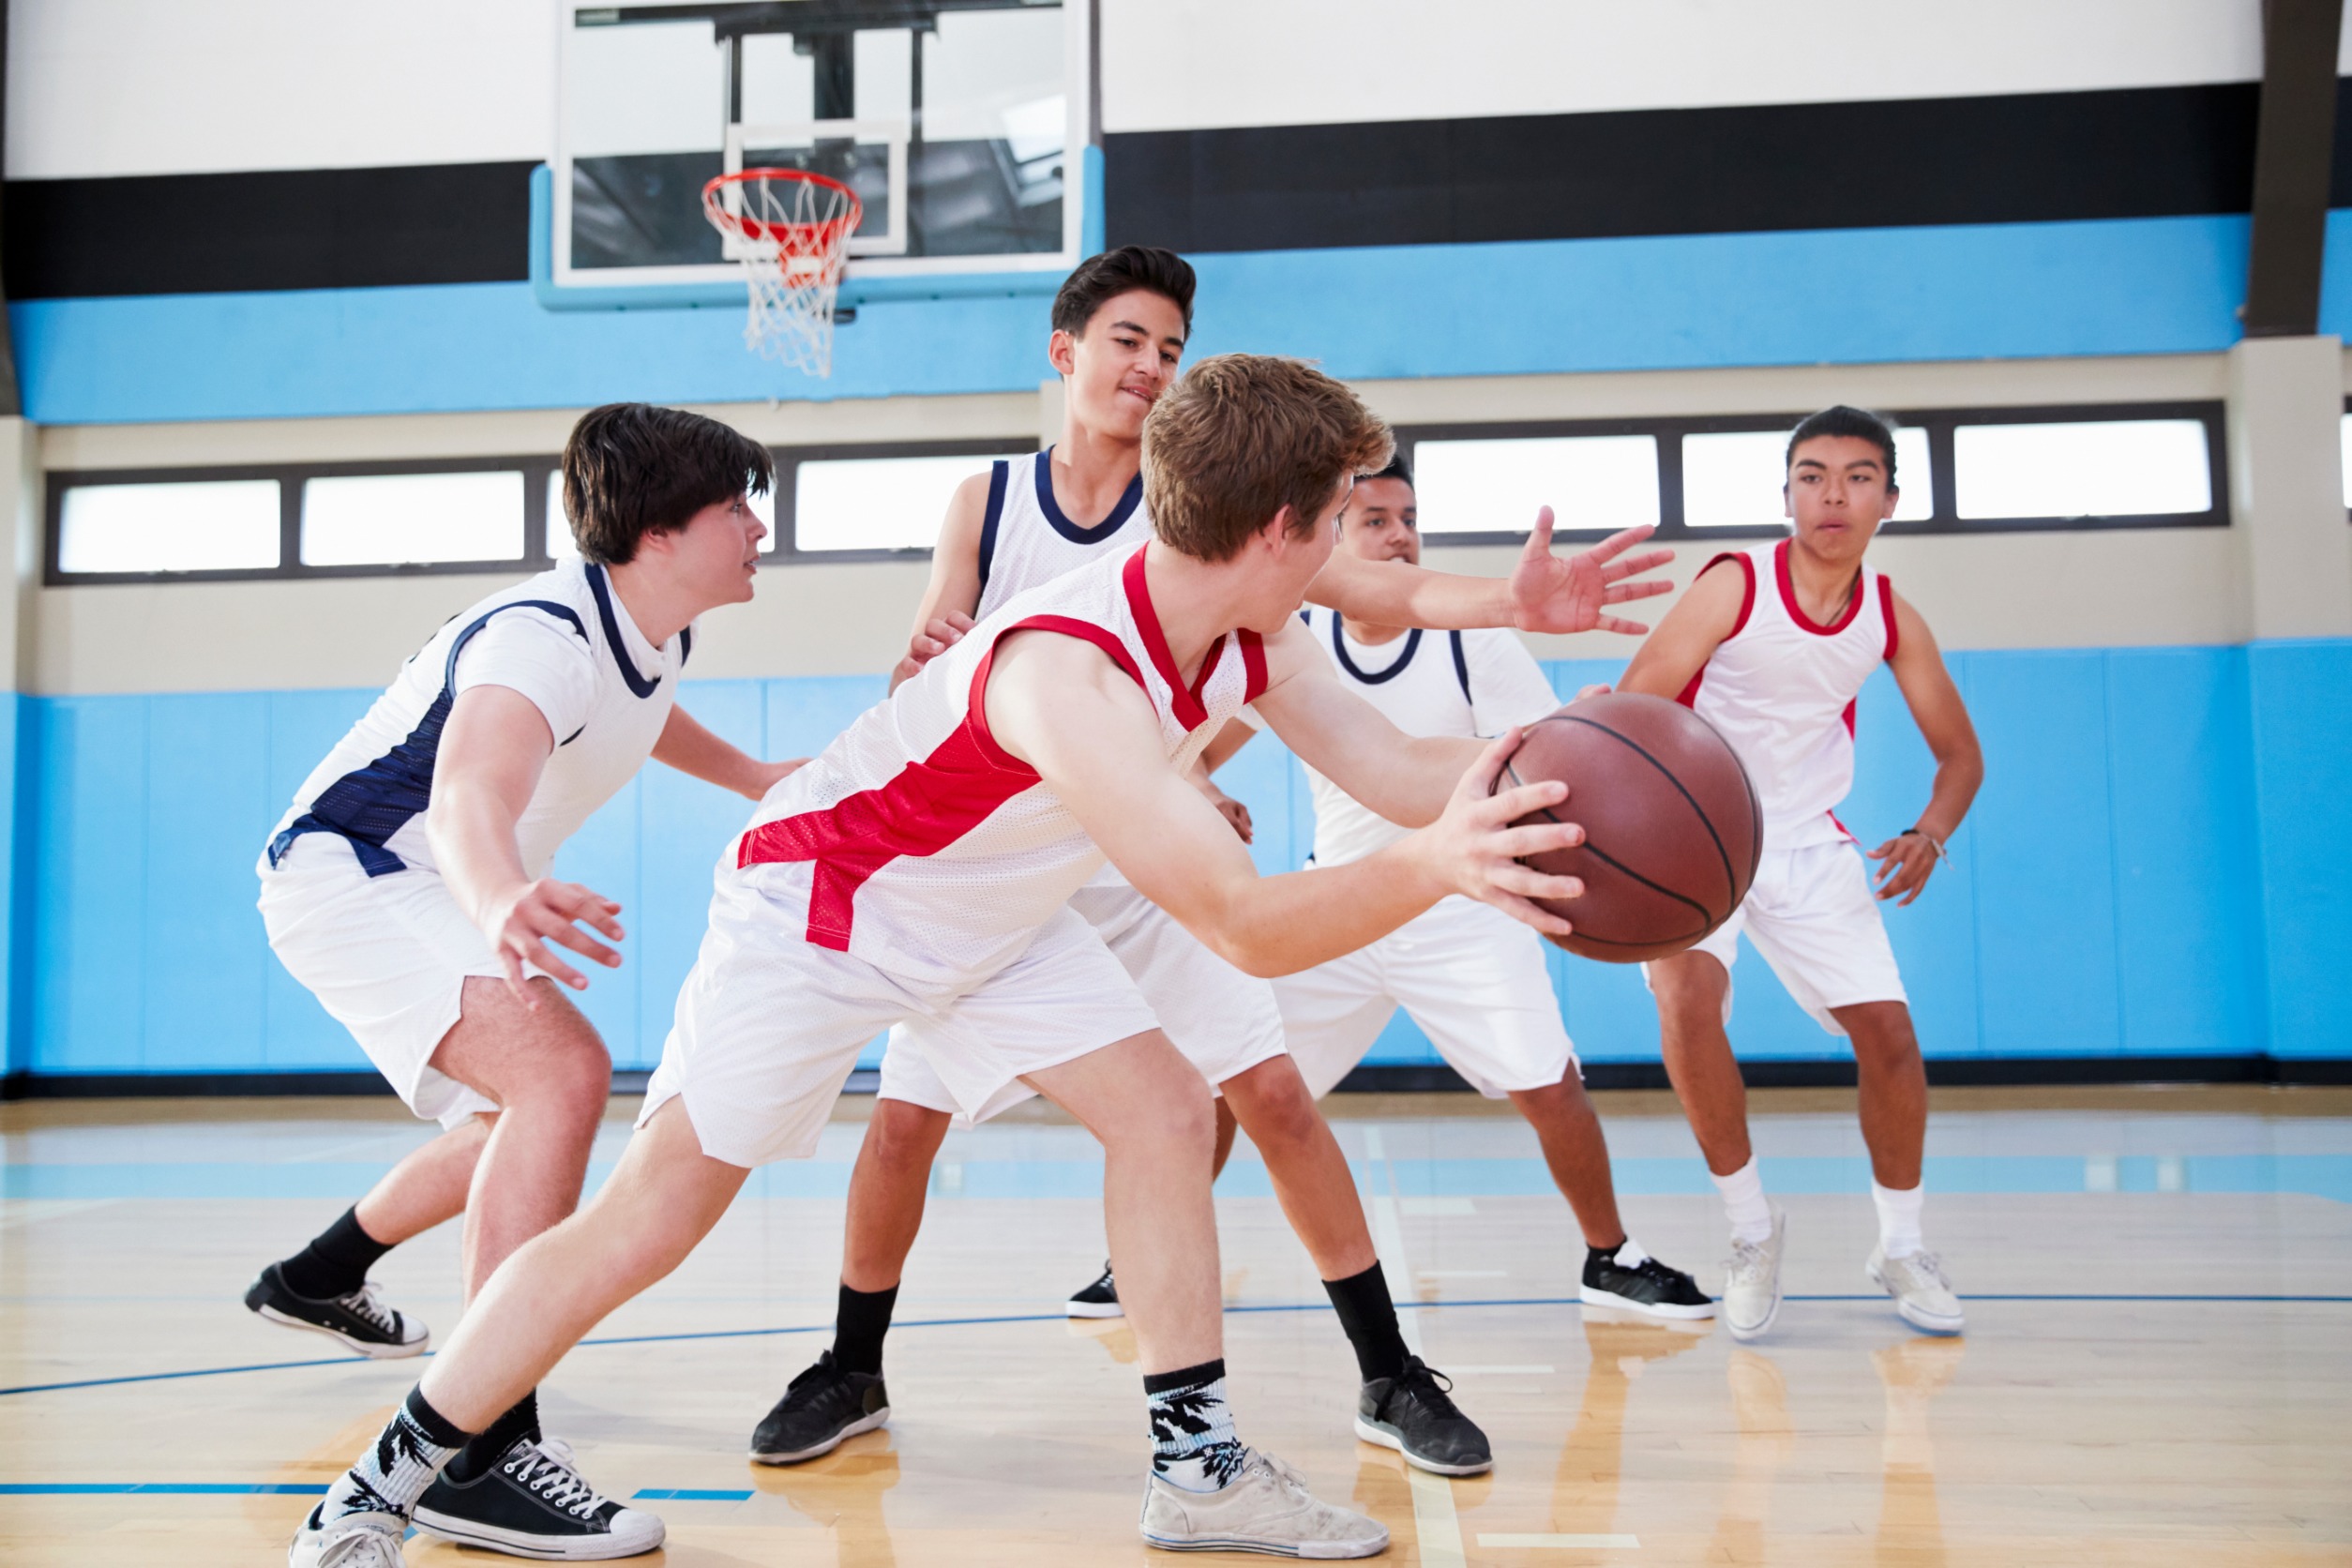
(662, 1201)
(1893, 1089)
(1690, 990)
(1579, 1153)
(427, 1187)
(550, 1076)
(1225, 1137)
(1309, 1173)
(1151, 1110)
(887, 1189)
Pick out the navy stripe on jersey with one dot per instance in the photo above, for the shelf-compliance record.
(1372, 677)
(1129, 500)
(369, 805)
(1462, 663)
(639, 686)
(998, 471)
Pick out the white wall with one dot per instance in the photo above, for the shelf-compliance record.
(1190, 64)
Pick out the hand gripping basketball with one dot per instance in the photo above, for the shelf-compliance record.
(1481, 845)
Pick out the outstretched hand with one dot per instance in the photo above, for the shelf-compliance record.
(1908, 860)
(1477, 852)
(1562, 594)
(522, 919)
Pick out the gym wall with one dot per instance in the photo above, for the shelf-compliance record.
(1786, 205)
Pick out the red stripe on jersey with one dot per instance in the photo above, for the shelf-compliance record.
(1747, 591)
(1253, 665)
(929, 804)
(1849, 716)
(1886, 608)
(1789, 598)
(1842, 828)
(1182, 701)
(1689, 698)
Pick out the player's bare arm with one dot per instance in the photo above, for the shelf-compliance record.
(954, 592)
(1062, 707)
(1907, 860)
(492, 751)
(1545, 593)
(1689, 635)
(687, 744)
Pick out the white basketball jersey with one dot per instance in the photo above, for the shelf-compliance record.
(562, 638)
(1782, 688)
(1026, 541)
(918, 844)
(1465, 683)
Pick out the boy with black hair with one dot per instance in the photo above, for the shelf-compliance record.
(919, 870)
(1121, 321)
(407, 888)
(1773, 646)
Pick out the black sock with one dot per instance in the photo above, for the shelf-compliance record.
(480, 1455)
(336, 1263)
(1369, 1315)
(859, 1324)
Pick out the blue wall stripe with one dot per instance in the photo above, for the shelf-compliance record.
(2153, 866)
(1855, 295)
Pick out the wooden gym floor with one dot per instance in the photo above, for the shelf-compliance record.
(2159, 1285)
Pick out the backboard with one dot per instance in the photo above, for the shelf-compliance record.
(961, 124)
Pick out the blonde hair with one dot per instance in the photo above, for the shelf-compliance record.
(1244, 435)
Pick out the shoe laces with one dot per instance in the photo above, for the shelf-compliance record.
(1275, 1469)
(548, 1468)
(1433, 1388)
(1927, 1266)
(365, 1304)
(1748, 1263)
(362, 1546)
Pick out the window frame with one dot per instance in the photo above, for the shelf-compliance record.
(1938, 423)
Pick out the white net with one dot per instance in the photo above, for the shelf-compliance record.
(791, 231)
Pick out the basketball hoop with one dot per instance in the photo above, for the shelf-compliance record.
(790, 230)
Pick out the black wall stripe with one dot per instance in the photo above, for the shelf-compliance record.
(2143, 152)
(2018, 159)
(283, 229)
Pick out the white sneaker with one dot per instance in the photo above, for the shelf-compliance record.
(1751, 1282)
(1267, 1507)
(353, 1541)
(1924, 1296)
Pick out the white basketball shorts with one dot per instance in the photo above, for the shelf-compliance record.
(1811, 914)
(1222, 1020)
(386, 956)
(769, 1025)
(1473, 979)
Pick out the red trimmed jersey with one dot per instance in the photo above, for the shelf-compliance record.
(1782, 688)
(918, 844)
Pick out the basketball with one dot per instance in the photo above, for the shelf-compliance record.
(1671, 823)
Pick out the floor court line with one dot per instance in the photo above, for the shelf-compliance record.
(2058, 1298)
(1437, 1528)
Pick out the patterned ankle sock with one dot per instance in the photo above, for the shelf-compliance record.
(398, 1466)
(1193, 1445)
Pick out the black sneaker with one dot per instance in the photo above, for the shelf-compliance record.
(358, 1322)
(1644, 1286)
(1413, 1414)
(820, 1408)
(1098, 1300)
(533, 1503)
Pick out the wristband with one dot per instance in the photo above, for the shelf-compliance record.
(1934, 843)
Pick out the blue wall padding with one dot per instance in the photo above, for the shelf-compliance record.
(2167, 285)
(2155, 866)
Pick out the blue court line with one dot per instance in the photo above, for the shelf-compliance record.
(1059, 1316)
(686, 1494)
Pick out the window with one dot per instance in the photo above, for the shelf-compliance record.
(1482, 486)
(1961, 471)
(2115, 468)
(1733, 478)
(867, 504)
(2344, 442)
(369, 519)
(190, 526)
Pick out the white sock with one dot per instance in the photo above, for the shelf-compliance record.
(1743, 1203)
(1898, 1220)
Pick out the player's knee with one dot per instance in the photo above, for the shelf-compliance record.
(1881, 1031)
(1281, 1113)
(902, 1134)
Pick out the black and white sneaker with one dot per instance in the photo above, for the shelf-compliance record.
(1414, 1414)
(535, 1503)
(359, 1322)
(1098, 1300)
(1631, 1278)
(820, 1408)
